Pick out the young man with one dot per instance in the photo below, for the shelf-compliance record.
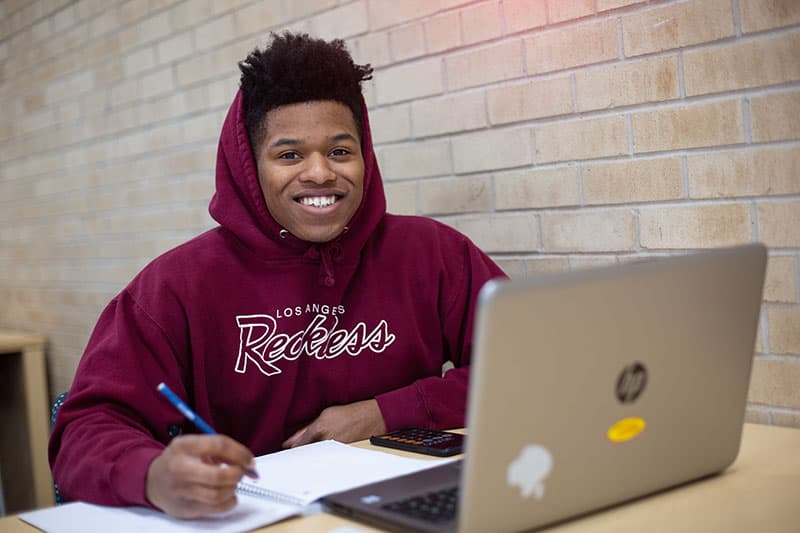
(308, 313)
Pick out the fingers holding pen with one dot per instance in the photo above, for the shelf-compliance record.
(216, 450)
(196, 475)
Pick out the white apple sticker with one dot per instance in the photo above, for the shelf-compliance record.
(529, 470)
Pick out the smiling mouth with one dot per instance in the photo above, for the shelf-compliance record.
(318, 201)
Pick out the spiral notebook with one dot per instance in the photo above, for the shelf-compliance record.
(290, 481)
(300, 476)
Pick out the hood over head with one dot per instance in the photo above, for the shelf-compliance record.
(238, 203)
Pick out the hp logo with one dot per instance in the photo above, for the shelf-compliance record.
(631, 382)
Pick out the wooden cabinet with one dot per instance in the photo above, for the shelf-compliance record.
(24, 422)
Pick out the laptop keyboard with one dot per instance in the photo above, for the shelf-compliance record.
(437, 506)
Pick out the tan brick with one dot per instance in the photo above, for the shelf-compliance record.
(605, 5)
(442, 32)
(649, 80)
(586, 262)
(220, 93)
(754, 172)
(155, 27)
(401, 198)
(530, 100)
(214, 32)
(774, 117)
(69, 112)
(68, 16)
(481, 22)
(571, 46)
(155, 83)
(694, 226)
(189, 14)
(138, 61)
(187, 162)
(108, 73)
(415, 160)
(780, 284)
(344, 21)
(498, 62)
(384, 13)
(390, 123)
(573, 9)
(589, 231)
(524, 14)
(257, 17)
(635, 180)
(407, 41)
(100, 25)
(125, 92)
(544, 188)
(581, 139)
(756, 415)
(489, 150)
(676, 25)
(758, 63)
(368, 90)
(304, 8)
(508, 233)
(779, 223)
(446, 4)
(544, 265)
(194, 69)
(774, 382)
(455, 195)
(789, 419)
(759, 15)
(514, 268)
(449, 114)
(372, 48)
(692, 126)
(409, 81)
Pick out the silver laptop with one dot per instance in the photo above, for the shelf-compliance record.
(589, 389)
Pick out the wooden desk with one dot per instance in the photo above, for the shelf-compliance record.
(759, 492)
(24, 417)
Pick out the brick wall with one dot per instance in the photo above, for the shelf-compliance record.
(558, 134)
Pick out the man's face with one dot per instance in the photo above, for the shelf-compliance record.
(311, 168)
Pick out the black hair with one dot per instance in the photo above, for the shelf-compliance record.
(295, 68)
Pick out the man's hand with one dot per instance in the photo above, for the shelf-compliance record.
(345, 423)
(196, 475)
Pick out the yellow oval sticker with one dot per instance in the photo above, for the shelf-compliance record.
(626, 429)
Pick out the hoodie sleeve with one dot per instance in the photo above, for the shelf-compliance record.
(440, 402)
(110, 428)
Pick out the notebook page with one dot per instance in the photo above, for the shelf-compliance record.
(305, 474)
(78, 517)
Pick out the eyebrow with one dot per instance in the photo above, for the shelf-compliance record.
(287, 141)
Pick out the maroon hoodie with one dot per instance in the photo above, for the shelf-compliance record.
(260, 331)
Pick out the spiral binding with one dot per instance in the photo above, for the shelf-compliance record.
(253, 490)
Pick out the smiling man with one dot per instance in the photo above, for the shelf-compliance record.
(309, 313)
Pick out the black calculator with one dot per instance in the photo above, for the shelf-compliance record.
(427, 441)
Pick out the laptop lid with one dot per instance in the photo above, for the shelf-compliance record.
(595, 387)
(592, 388)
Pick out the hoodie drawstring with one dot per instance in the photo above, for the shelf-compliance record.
(329, 253)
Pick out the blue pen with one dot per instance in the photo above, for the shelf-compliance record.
(181, 406)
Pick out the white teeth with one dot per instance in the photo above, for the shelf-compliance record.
(318, 201)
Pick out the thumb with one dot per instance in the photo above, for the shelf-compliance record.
(295, 439)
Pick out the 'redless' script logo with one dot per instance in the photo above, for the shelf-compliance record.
(261, 345)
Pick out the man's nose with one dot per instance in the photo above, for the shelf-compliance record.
(317, 169)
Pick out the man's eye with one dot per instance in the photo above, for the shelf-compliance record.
(289, 155)
(339, 152)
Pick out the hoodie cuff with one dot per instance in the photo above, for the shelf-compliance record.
(129, 474)
(404, 408)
